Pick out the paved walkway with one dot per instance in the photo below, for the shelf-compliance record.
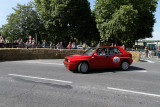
(154, 59)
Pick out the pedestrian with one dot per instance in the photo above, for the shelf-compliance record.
(33, 40)
(73, 45)
(112, 44)
(158, 52)
(33, 43)
(133, 48)
(69, 45)
(84, 46)
(8, 44)
(92, 45)
(27, 44)
(58, 46)
(44, 44)
(61, 45)
(123, 46)
(15, 44)
(2, 45)
(146, 51)
(39, 45)
(52, 45)
(21, 44)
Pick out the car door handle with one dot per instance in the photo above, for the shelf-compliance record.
(107, 56)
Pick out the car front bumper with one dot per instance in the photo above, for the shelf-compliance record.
(70, 66)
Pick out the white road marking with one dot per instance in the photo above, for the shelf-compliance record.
(47, 79)
(149, 61)
(141, 71)
(43, 63)
(135, 92)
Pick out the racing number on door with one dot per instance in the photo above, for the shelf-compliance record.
(116, 59)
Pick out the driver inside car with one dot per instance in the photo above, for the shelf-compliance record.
(103, 53)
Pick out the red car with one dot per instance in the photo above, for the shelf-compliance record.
(99, 57)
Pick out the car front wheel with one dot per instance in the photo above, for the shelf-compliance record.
(83, 67)
(124, 65)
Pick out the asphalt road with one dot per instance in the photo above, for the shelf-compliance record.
(47, 83)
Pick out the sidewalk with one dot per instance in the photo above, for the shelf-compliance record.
(153, 59)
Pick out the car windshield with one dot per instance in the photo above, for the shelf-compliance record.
(89, 51)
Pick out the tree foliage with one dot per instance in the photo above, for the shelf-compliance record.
(23, 22)
(68, 20)
(122, 24)
(125, 20)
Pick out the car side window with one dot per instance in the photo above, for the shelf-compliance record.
(117, 51)
(113, 51)
(101, 51)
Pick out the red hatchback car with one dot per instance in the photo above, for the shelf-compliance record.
(99, 57)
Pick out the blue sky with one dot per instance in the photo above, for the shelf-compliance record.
(7, 5)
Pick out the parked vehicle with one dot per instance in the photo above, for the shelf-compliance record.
(79, 47)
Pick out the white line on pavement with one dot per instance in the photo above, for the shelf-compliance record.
(141, 71)
(149, 61)
(15, 75)
(43, 63)
(135, 92)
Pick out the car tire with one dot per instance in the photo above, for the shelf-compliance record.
(83, 67)
(124, 65)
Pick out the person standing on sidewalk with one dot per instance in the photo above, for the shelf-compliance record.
(44, 44)
(73, 45)
(158, 52)
(146, 51)
(61, 45)
(84, 46)
(69, 45)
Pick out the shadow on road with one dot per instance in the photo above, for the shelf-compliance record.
(115, 70)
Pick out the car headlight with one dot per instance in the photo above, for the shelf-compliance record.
(68, 61)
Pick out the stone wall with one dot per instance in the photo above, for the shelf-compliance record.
(28, 54)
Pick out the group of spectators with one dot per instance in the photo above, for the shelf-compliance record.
(20, 44)
(44, 44)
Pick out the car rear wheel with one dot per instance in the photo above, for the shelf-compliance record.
(83, 67)
(124, 65)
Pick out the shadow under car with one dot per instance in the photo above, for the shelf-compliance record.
(115, 70)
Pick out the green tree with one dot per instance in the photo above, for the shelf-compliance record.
(23, 22)
(122, 24)
(125, 20)
(67, 20)
(4, 30)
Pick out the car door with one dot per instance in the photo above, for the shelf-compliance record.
(114, 55)
(100, 60)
